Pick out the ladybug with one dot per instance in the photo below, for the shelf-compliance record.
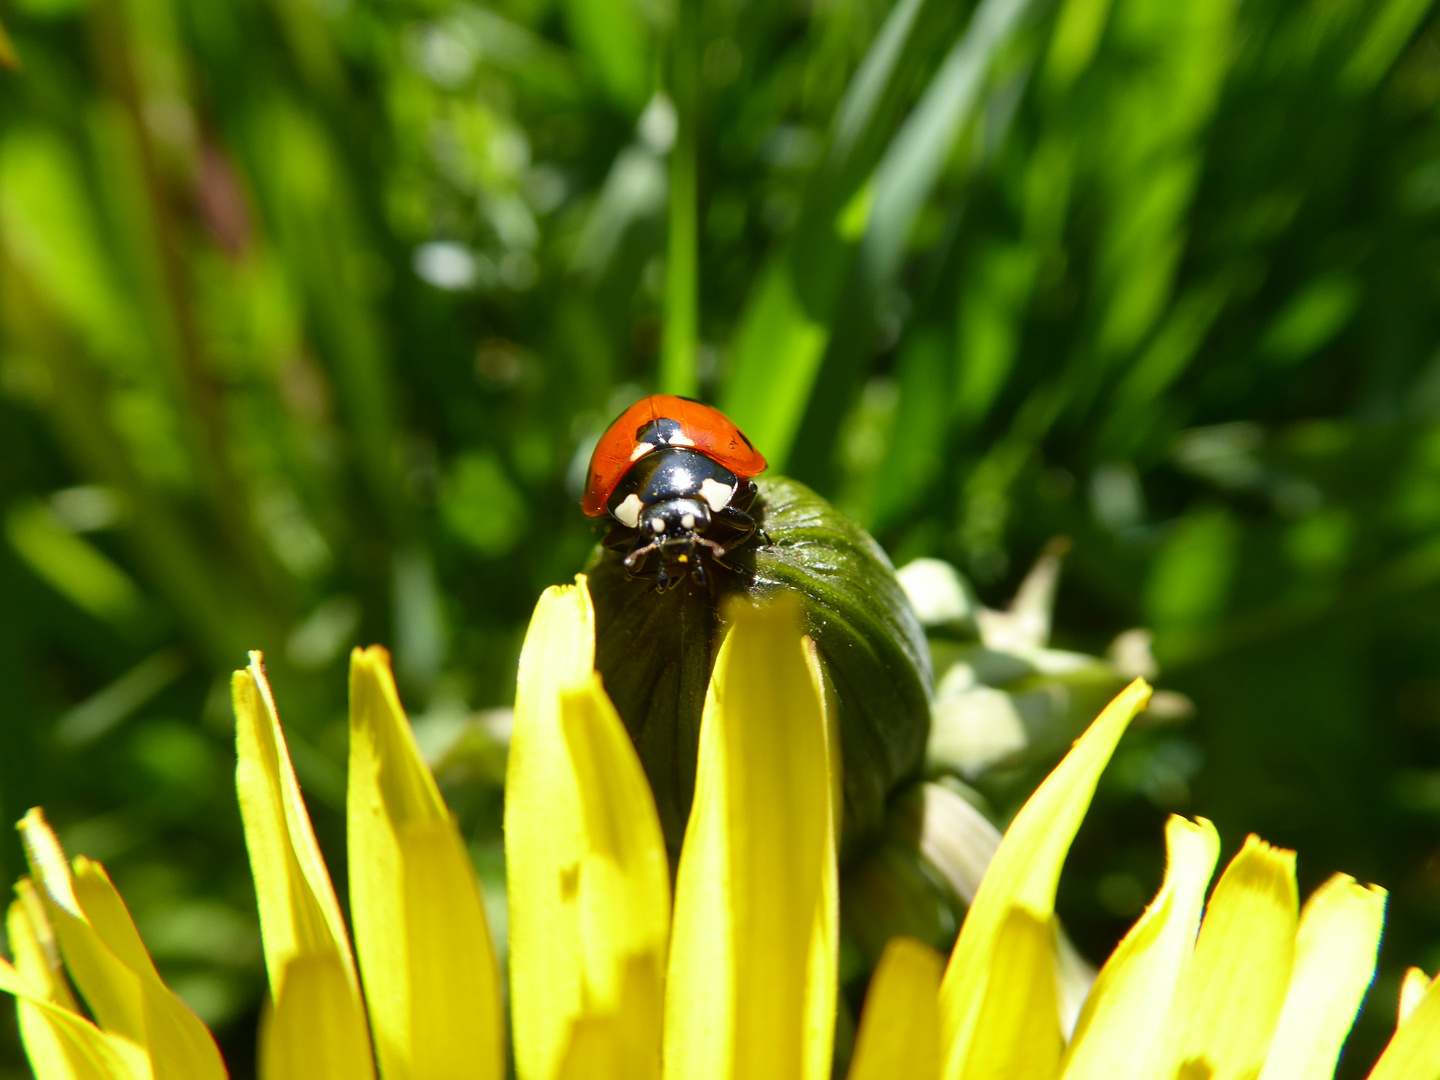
(674, 475)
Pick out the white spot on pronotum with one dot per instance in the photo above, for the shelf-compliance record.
(628, 512)
(657, 525)
(679, 438)
(688, 521)
(716, 494)
(641, 449)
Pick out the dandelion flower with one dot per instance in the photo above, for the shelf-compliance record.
(732, 977)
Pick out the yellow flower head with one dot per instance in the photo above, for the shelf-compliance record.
(735, 976)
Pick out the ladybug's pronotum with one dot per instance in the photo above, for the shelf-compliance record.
(675, 475)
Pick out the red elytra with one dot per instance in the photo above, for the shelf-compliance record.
(707, 430)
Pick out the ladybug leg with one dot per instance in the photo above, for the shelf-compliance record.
(718, 553)
(718, 550)
(738, 512)
(639, 552)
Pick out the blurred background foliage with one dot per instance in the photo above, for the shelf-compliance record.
(310, 311)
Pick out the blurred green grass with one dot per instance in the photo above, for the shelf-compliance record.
(310, 310)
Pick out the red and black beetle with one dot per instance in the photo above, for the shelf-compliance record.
(675, 475)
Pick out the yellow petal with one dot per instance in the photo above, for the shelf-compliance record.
(1017, 1034)
(39, 977)
(750, 889)
(622, 1043)
(624, 887)
(899, 1032)
(108, 961)
(822, 981)
(1121, 1034)
(1414, 1049)
(431, 983)
(300, 923)
(314, 1029)
(542, 828)
(110, 988)
(62, 1045)
(33, 946)
(1412, 992)
(179, 1044)
(542, 833)
(587, 873)
(1235, 986)
(593, 1051)
(1335, 951)
(1025, 872)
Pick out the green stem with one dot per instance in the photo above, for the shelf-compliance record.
(678, 370)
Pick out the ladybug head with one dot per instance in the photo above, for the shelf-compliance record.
(674, 519)
(672, 528)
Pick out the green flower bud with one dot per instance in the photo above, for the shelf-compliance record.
(655, 650)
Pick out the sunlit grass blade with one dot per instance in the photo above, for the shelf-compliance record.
(1121, 1034)
(1078, 27)
(307, 952)
(76, 568)
(680, 341)
(913, 161)
(885, 211)
(431, 983)
(785, 326)
(104, 954)
(1391, 25)
(1235, 986)
(615, 40)
(1024, 874)
(752, 869)
(1335, 949)
(900, 1026)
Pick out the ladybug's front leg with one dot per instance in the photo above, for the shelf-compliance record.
(638, 551)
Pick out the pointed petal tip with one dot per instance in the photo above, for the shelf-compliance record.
(1140, 688)
(47, 860)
